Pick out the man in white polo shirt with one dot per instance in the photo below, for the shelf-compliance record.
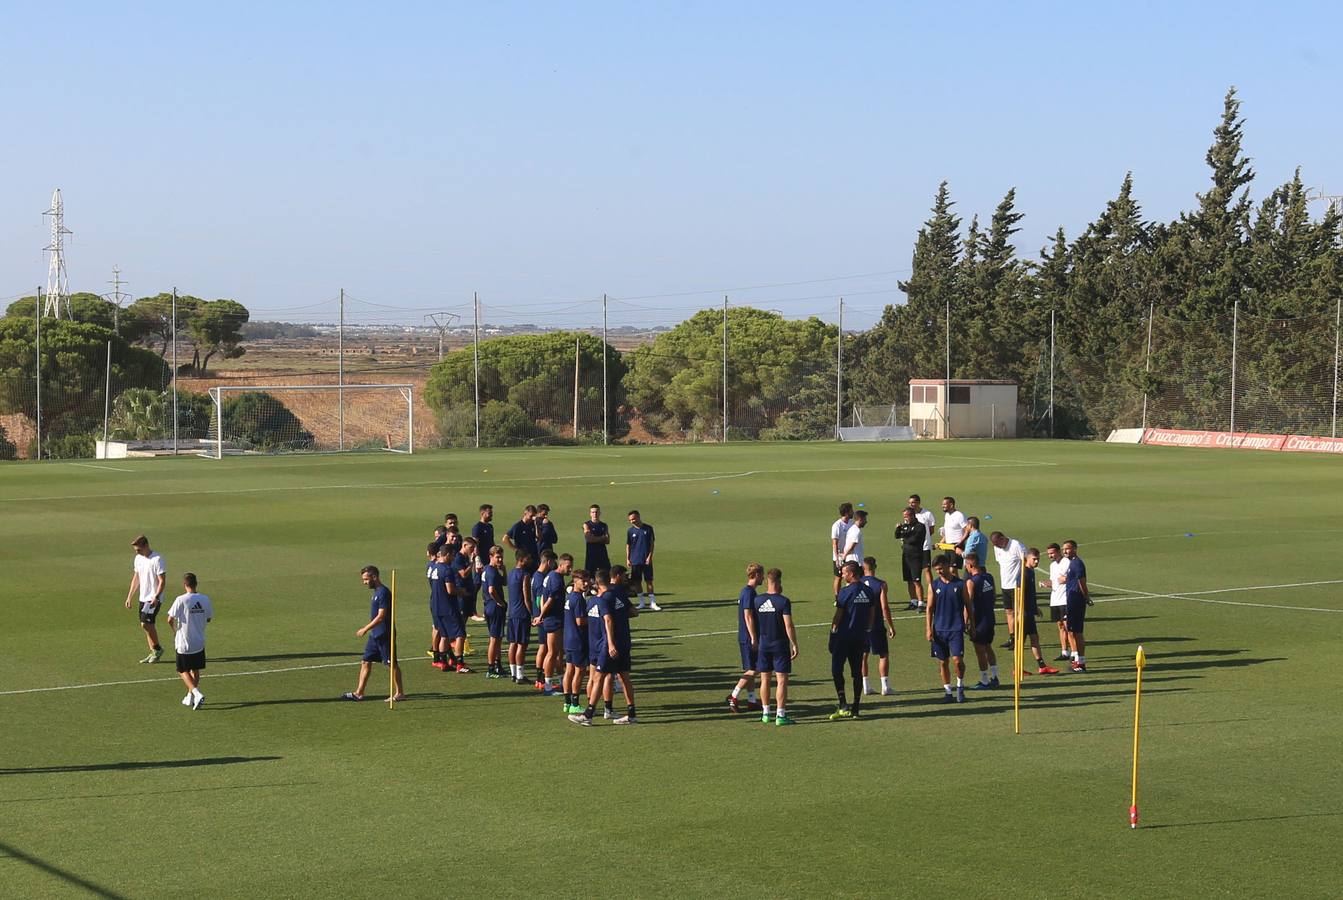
(853, 541)
(1058, 595)
(148, 580)
(1009, 553)
(953, 530)
(839, 533)
(187, 617)
(929, 521)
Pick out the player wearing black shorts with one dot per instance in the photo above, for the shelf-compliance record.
(982, 594)
(1031, 610)
(912, 534)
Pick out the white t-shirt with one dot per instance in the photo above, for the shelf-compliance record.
(953, 527)
(191, 612)
(925, 515)
(853, 536)
(838, 533)
(1058, 593)
(1009, 562)
(148, 568)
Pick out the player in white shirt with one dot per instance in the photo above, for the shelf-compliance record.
(839, 533)
(853, 541)
(953, 530)
(1009, 553)
(148, 580)
(1058, 595)
(929, 521)
(187, 617)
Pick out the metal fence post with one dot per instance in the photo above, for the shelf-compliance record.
(839, 371)
(606, 403)
(107, 397)
(174, 381)
(37, 367)
(724, 368)
(475, 358)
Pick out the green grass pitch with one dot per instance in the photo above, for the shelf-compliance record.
(479, 788)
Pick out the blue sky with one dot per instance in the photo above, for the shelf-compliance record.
(544, 153)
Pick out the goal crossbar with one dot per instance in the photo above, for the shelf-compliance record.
(407, 392)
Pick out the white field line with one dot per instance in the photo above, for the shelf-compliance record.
(1200, 596)
(655, 478)
(103, 468)
(1134, 595)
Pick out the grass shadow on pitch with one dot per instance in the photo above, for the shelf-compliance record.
(1126, 642)
(1239, 821)
(191, 790)
(274, 657)
(11, 852)
(132, 766)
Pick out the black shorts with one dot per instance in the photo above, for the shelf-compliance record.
(877, 642)
(1077, 615)
(466, 603)
(1058, 613)
(1029, 628)
(191, 662)
(641, 573)
(1010, 598)
(147, 618)
(494, 622)
(912, 565)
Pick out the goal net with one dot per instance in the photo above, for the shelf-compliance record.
(310, 418)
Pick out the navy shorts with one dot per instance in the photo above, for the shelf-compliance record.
(877, 642)
(774, 660)
(519, 631)
(609, 666)
(552, 626)
(494, 622)
(576, 657)
(747, 656)
(450, 626)
(947, 644)
(641, 573)
(378, 649)
(1077, 614)
(983, 633)
(147, 617)
(466, 602)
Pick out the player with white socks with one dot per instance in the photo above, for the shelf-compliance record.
(187, 617)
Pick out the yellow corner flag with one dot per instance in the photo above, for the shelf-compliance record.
(1141, 660)
(1018, 648)
(391, 669)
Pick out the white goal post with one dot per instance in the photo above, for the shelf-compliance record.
(310, 418)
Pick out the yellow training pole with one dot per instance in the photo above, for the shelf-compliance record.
(1137, 712)
(1017, 629)
(391, 669)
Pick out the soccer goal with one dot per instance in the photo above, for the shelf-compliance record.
(310, 418)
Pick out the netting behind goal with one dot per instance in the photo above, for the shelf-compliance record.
(310, 418)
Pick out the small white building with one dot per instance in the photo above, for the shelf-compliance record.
(963, 408)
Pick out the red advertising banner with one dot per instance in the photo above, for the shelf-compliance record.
(1174, 437)
(1298, 444)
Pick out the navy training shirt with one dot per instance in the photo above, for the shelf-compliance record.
(1077, 570)
(744, 609)
(596, 627)
(552, 587)
(517, 604)
(381, 599)
(948, 601)
(615, 604)
(639, 539)
(769, 612)
(483, 532)
(440, 578)
(855, 601)
(523, 536)
(575, 635)
(982, 596)
(489, 579)
(596, 556)
(875, 584)
(546, 536)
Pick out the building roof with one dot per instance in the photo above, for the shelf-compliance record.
(960, 381)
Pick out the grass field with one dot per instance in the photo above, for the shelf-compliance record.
(276, 788)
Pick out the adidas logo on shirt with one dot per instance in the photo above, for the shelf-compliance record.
(767, 606)
(594, 611)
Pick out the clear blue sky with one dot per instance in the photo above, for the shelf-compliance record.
(275, 153)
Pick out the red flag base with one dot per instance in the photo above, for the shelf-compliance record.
(1133, 817)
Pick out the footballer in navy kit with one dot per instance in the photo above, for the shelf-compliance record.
(522, 537)
(549, 615)
(613, 611)
(776, 644)
(855, 613)
(755, 576)
(492, 582)
(945, 621)
(519, 616)
(575, 641)
(982, 593)
(378, 648)
(443, 609)
(639, 542)
(1079, 598)
(546, 535)
(596, 537)
(883, 629)
(483, 531)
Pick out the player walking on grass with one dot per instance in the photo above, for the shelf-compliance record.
(912, 534)
(945, 622)
(147, 578)
(1058, 596)
(519, 616)
(929, 521)
(596, 537)
(1078, 599)
(575, 641)
(953, 531)
(492, 583)
(771, 630)
(883, 629)
(187, 617)
(855, 614)
(1009, 552)
(839, 534)
(613, 652)
(983, 596)
(1030, 609)
(755, 576)
(639, 557)
(379, 634)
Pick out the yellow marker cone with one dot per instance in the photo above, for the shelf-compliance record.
(1141, 660)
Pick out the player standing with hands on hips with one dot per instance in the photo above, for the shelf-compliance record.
(148, 579)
